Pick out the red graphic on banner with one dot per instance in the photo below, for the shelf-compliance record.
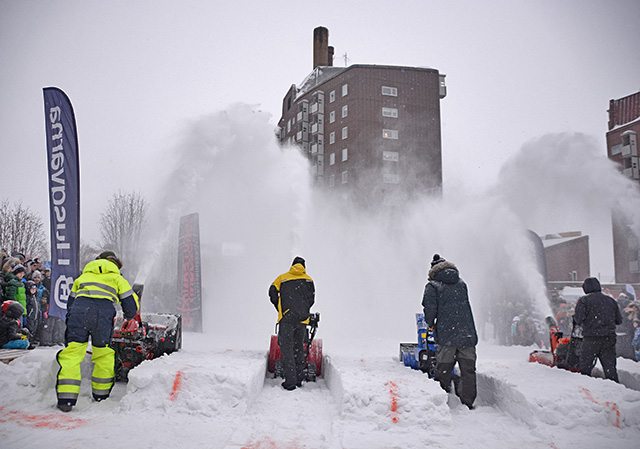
(189, 280)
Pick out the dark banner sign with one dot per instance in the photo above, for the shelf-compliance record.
(64, 196)
(189, 280)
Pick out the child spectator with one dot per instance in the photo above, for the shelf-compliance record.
(33, 310)
(15, 291)
(11, 335)
(43, 302)
(7, 266)
(46, 280)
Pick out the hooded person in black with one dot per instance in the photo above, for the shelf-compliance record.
(447, 308)
(598, 314)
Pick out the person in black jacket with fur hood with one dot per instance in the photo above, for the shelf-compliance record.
(446, 306)
(598, 314)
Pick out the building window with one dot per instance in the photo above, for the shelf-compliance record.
(390, 178)
(332, 158)
(345, 132)
(332, 138)
(332, 96)
(390, 112)
(332, 180)
(345, 154)
(390, 133)
(626, 139)
(344, 177)
(345, 90)
(332, 116)
(391, 156)
(390, 91)
(616, 149)
(345, 111)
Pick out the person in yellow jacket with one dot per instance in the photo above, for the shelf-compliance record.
(91, 312)
(293, 294)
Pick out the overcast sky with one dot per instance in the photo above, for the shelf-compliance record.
(138, 72)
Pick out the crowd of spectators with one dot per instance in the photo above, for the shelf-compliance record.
(26, 281)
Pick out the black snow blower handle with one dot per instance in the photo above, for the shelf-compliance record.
(137, 289)
(314, 319)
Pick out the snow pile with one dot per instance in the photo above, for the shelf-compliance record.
(216, 394)
(201, 383)
(552, 398)
(379, 397)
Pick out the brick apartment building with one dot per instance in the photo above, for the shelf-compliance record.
(567, 257)
(371, 132)
(622, 147)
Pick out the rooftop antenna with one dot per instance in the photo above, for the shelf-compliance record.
(346, 60)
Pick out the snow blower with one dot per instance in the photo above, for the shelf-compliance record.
(312, 347)
(565, 351)
(422, 355)
(146, 337)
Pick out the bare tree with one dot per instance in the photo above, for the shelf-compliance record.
(22, 230)
(121, 227)
(87, 254)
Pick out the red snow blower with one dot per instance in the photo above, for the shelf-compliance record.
(145, 337)
(312, 346)
(565, 351)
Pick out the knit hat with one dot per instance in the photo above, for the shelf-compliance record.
(110, 255)
(12, 309)
(299, 260)
(36, 274)
(18, 269)
(437, 259)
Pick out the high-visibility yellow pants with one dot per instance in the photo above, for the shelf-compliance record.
(104, 374)
(69, 376)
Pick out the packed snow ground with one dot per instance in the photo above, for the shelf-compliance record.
(216, 395)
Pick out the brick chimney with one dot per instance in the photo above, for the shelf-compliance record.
(321, 47)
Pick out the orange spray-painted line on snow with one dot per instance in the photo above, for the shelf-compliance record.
(176, 386)
(55, 421)
(268, 443)
(394, 400)
(611, 405)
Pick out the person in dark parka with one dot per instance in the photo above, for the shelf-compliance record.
(12, 336)
(293, 294)
(446, 306)
(598, 314)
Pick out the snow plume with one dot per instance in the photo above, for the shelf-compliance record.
(258, 211)
(371, 267)
(250, 194)
(564, 182)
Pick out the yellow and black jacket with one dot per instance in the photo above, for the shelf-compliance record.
(293, 294)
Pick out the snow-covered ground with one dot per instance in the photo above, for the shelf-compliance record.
(216, 395)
